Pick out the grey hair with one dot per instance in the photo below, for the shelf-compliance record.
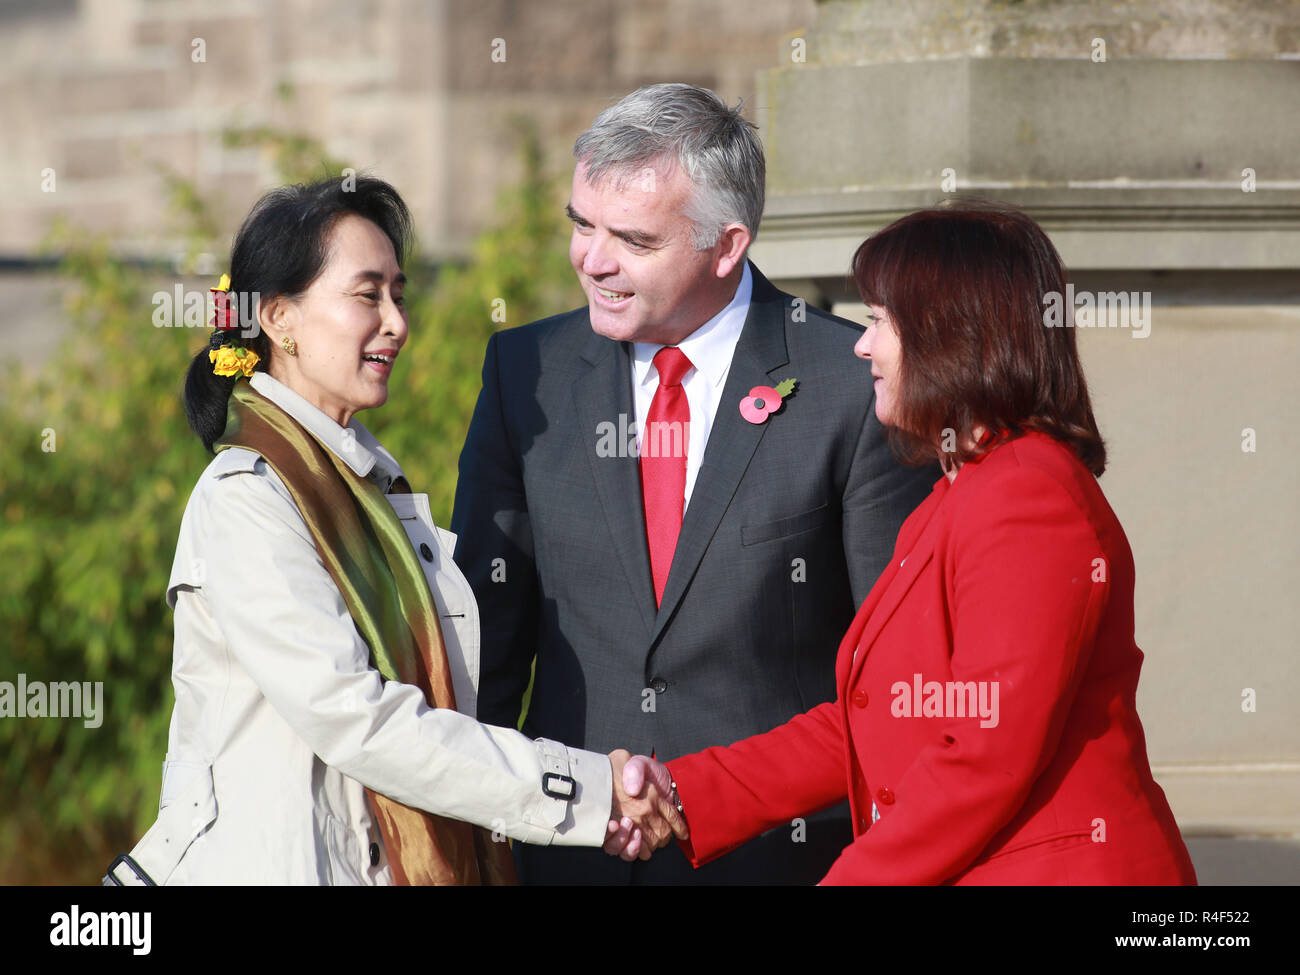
(715, 146)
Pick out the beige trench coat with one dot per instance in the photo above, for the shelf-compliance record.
(280, 722)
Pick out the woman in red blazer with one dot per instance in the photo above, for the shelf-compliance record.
(985, 729)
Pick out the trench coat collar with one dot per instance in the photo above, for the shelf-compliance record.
(354, 445)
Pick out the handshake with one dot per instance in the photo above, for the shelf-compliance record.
(644, 814)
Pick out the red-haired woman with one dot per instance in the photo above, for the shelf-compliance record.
(985, 729)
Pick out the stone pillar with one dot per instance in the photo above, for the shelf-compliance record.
(1158, 145)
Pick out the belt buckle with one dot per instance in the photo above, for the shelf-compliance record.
(112, 881)
(567, 780)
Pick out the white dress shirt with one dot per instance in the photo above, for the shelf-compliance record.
(710, 348)
(280, 721)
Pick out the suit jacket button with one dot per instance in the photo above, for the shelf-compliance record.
(885, 796)
(859, 699)
(659, 685)
(426, 552)
(374, 854)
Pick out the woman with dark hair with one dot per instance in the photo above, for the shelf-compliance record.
(326, 651)
(985, 729)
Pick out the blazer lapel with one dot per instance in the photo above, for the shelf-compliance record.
(891, 588)
(844, 657)
(604, 395)
(760, 350)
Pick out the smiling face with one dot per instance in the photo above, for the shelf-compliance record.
(880, 346)
(351, 315)
(632, 251)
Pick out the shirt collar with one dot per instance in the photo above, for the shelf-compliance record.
(360, 451)
(710, 346)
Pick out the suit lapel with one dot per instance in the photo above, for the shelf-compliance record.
(602, 396)
(760, 350)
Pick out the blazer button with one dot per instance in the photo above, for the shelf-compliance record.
(659, 685)
(426, 552)
(374, 854)
(859, 699)
(885, 796)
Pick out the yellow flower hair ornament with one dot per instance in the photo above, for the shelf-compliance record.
(229, 360)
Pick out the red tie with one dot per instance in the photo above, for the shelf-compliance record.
(663, 463)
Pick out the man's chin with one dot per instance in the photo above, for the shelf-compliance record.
(617, 327)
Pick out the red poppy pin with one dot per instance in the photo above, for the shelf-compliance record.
(763, 401)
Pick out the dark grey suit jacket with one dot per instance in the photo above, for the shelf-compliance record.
(788, 526)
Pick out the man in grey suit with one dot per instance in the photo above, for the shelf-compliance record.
(686, 586)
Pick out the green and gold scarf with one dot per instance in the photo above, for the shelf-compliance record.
(367, 552)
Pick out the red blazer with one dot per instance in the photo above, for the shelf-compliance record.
(1022, 760)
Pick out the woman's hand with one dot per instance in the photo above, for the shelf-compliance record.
(644, 814)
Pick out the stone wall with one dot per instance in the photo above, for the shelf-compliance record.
(1151, 142)
(425, 94)
(96, 96)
